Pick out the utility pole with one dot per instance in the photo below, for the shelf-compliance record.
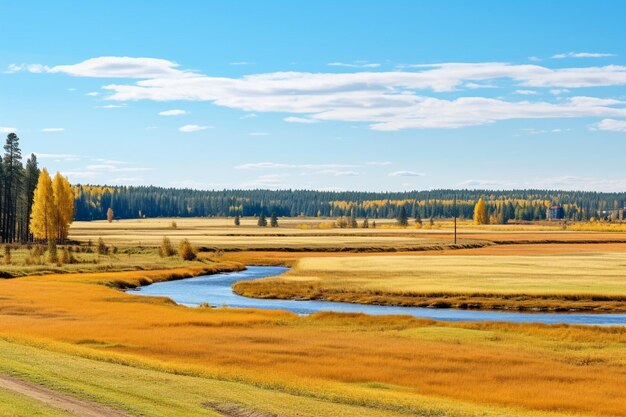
(455, 214)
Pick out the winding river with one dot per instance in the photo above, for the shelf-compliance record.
(216, 291)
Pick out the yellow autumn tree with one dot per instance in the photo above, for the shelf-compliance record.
(480, 212)
(42, 224)
(63, 205)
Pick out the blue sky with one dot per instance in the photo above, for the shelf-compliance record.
(367, 95)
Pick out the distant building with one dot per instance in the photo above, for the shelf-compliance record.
(555, 213)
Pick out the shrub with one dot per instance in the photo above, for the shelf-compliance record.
(186, 251)
(102, 247)
(173, 225)
(166, 249)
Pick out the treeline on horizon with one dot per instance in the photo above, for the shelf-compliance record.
(92, 203)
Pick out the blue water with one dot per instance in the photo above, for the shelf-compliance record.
(216, 291)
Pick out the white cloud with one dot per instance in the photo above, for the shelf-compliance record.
(67, 157)
(611, 125)
(34, 68)
(259, 134)
(405, 174)
(378, 163)
(279, 165)
(345, 173)
(53, 129)
(7, 129)
(582, 55)
(266, 181)
(173, 112)
(293, 119)
(248, 116)
(558, 91)
(121, 67)
(113, 106)
(526, 92)
(92, 94)
(239, 63)
(193, 128)
(387, 101)
(357, 64)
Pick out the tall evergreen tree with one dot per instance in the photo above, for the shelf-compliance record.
(403, 219)
(262, 222)
(31, 176)
(274, 220)
(13, 173)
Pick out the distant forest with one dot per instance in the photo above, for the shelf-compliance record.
(93, 202)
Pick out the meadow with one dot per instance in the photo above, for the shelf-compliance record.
(385, 364)
(77, 333)
(585, 281)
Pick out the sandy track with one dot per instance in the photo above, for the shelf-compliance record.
(55, 399)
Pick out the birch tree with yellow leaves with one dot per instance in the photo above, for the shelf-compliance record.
(64, 206)
(53, 208)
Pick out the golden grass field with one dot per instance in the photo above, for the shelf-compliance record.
(79, 334)
(584, 281)
(395, 364)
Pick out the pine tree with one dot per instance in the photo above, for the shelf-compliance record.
(237, 220)
(262, 222)
(31, 176)
(42, 222)
(480, 212)
(274, 220)
(366, 223)
(13, 177)
(64, 206)
(403, 219)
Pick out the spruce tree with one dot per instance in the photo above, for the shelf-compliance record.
(31, 176)
(403, 219)
(13, 177)
(274, 220)
(262, 222)
(237, 220)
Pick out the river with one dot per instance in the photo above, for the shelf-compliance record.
(216, 291)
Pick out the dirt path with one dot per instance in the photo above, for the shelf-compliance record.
(55, 399)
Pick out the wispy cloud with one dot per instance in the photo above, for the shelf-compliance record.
(53, 129)
(386, 100)
(92, 94)
(7, 129)
(582, 55)
(275, 165)
(193, 128)
(249, 116)
(240, 63)
(378, 163)
(173, 112)
(526, 92)
(405, 174)
(357, 64)
(34, 68)
(293, 119)
(611, 125)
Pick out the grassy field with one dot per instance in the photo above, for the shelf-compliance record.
(587, 281)
(304, 234)
(74, 331)
(346, 360)
(86, 259)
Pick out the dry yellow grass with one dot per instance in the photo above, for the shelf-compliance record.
(390, 363)
(581, 281)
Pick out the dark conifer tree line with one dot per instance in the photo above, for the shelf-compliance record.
(17, 187)
(93, 202)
